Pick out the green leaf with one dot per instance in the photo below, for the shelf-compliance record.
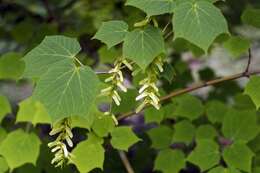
(32, 111)
(223, 170)
(252, 89)
(251, 16)
(153, 7)
(103, 125)
(239, 156)
(11, 66)
(184, 131)
(108, 56)
(236, 125)
(5, 107)
(3, 134)
(67, 90)
(53, 49)
(161, 137)
(206, 154)
(19, 148)
(88, 155)
(243, 101)
(199, 22)
(237, 46)
(188, 106)
(3, 165)
(175, 157)
(143, 45)
(112, 32)
(123, 137)
(206, 132)
(215, 111)
(152, 115)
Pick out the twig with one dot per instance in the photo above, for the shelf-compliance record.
(194, 87)
(249, 61)
(126, 162)
(166, 26)
(28, 127)
(168, 35)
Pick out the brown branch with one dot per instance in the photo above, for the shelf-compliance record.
(196, 87)
(126, 162)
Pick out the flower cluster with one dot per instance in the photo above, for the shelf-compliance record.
(62, 155)
(116, 80)
(149, 92)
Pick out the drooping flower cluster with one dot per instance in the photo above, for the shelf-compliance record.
(116, 80)
(62, 155)
(149, 92)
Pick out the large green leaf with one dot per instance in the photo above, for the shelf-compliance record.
(88, 155)
(251, 16)
(112, 32)
(143, 45)
(239, 156)
(153, 115)
(5, 107)
(103, 125)
(175, 157)
(3, 134)
(199, 22)
(67, 90)
(123, 138)
(153, 7)
(19, 148)
(11, 66)
(252, 89)
(52, 49)
(206, 132)
(240, 125)
(161, 137)
(32, 111)
(184, 132)
(205, 155)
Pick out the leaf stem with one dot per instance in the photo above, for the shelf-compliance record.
(126, 162)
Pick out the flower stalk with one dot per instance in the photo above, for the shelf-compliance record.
(149, 92)
(59, 147)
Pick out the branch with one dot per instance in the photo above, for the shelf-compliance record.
(196, 87)
(126, 162)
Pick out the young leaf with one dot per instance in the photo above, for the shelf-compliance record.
(67, 90)
(252, 89)
(199, 22)
(161, 137)
(19, 148)
(206, 132)
(53, 49)
(184, 131)
(223, 170)
(239, 156)
(206, 154)
(3, 165)
(32, 111)
(215, 111)
(11, 66)
(153, 7)
(188, 106)
(236, 125)
(237, 46)
(153, 115)
(3, 134)
(143, 45)
(103, 125)
(112, 32)
(175, 157)
(123, 138)
(5, 107)
(251, 16)
(88, 155)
